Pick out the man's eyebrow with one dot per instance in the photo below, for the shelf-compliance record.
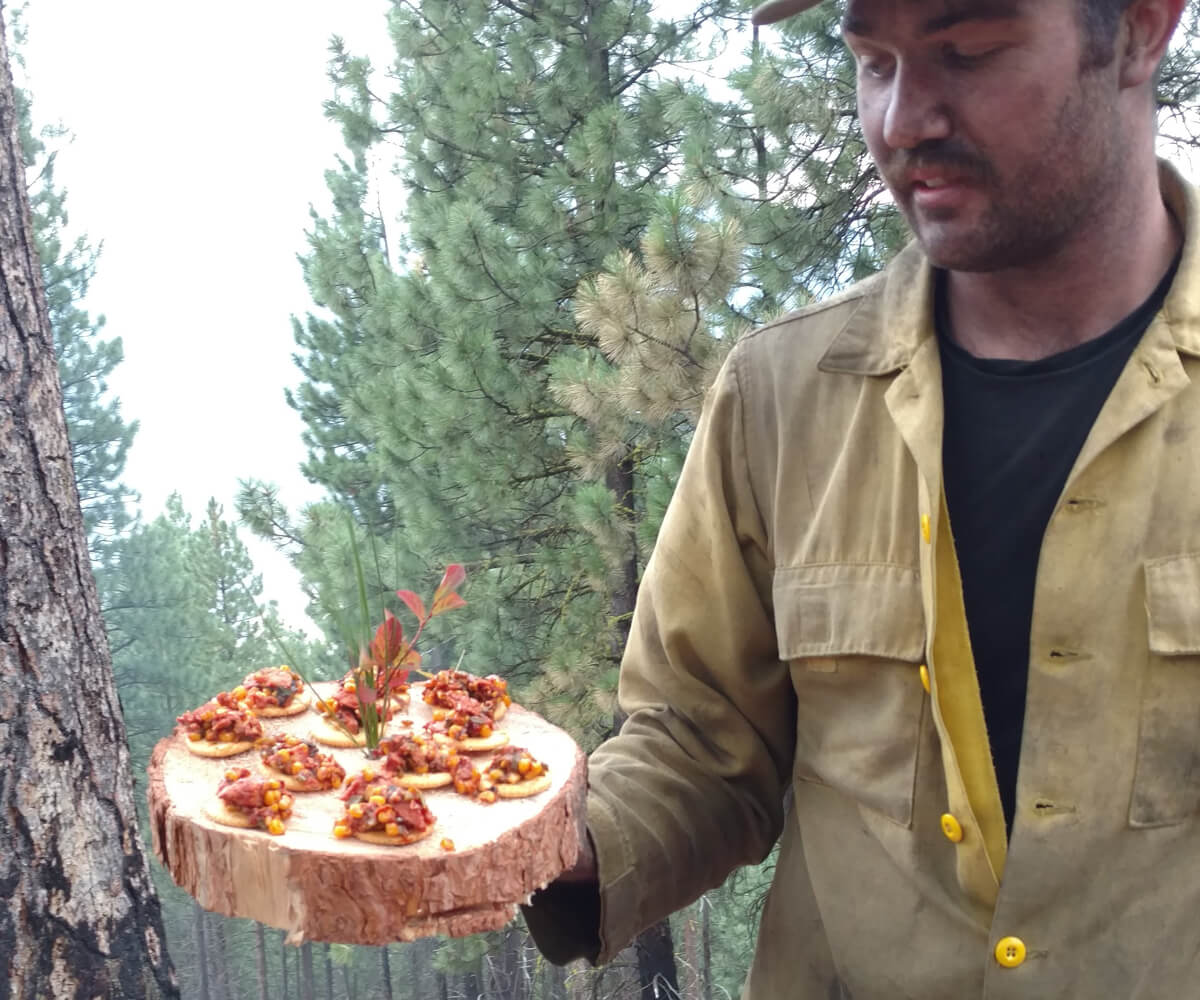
(998, 10)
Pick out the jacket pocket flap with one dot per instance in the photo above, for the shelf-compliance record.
(1173, 604)
(849, 609)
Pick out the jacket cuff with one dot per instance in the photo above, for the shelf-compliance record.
(620, 895)
(564, 921)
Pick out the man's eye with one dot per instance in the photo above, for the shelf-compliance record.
(875, 66)
(966, 58)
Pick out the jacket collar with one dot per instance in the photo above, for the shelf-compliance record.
(895, 313)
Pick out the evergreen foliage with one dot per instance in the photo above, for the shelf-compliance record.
(533, 143)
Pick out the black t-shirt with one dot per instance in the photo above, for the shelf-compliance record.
(1013, 430)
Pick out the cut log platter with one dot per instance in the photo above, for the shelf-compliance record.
(469, 876)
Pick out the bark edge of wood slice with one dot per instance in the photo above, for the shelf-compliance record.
(316, 887)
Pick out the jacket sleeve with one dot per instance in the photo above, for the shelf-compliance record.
(692, 786)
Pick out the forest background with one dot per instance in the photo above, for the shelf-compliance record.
(505, 374)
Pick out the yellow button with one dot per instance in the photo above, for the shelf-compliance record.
(925, 678)
(1010, 952)
(925, 527)
(952, 828)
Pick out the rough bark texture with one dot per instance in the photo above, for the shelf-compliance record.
(319, 888)
(78, 916)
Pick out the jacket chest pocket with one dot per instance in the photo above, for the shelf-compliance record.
(854, 635)
(1166, 783)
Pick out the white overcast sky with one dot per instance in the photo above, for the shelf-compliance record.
(198, 145)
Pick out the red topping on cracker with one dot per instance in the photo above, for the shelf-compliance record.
(222, 720)
(262, 801)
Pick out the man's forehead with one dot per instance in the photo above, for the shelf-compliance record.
(862, 17)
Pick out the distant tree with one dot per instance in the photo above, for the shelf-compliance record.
(68, 823)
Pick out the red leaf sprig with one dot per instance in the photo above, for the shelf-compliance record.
(383, 667)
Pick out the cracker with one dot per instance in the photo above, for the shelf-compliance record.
(522, 789)
(206, 748)
(375, 837)
(219, 812)
(293, 707)
(331, 736)
(481, 744)
(433, 779)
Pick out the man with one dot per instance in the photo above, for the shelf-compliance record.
(933, 563)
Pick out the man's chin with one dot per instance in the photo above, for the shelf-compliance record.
(953, 249)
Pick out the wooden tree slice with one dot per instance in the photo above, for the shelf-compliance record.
(317, 887)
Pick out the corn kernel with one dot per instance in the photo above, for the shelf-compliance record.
(485, 731)
(270, 797)
(356, 810)
(340, 830)
(368, 774)
(385, 815)
(226, 737)
(231, 775)
(487, 796)
(392, 830)
(274, 826)
(524, 764)
(297, 767)
(377, 800)
(447, 844)
(239, 693)
(195, 737)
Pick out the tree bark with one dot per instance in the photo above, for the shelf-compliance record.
(308, 986)
(70, 852)
(201, 950)
(219, 954)
(656, 962)
(329, 973)
(386, 971)
(260, 953)
(283, 963)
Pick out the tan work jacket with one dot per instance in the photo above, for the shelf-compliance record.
(802, 596)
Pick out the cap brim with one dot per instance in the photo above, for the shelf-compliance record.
(777, 10)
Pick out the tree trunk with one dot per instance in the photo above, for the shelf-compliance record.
(386, 970)
(260, 953)
(89, 921)
(308, 987)
(656, 962)
(220, 955)
(329, 975)
(656, 955)
(283, 963)
(201, 950)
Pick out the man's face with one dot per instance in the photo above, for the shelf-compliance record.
(995, 143)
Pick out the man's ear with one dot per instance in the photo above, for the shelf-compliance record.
(1146, 29)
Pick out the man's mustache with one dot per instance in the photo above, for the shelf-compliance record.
(937, 156)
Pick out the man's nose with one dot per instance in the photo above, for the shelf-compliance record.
(916, 110)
